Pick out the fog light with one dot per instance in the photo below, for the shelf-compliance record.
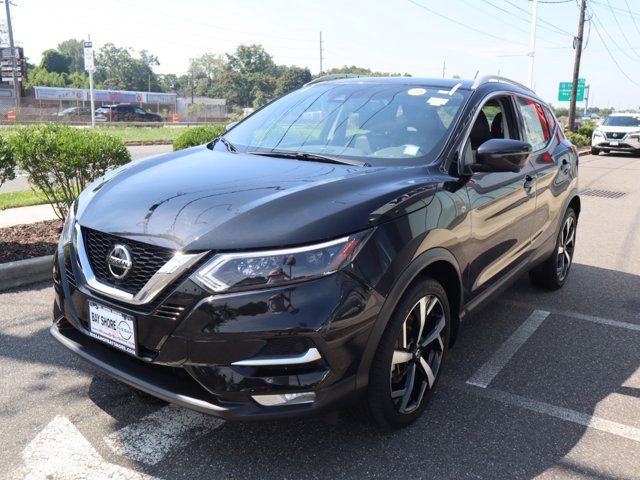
(285, 398)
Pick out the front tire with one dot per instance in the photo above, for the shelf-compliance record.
(553, 273)
(595, 151)
(410, 356)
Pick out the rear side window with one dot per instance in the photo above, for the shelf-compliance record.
(536, 126)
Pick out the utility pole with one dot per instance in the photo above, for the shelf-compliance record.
(14, 66)
(532, 40)
(444, 68)
(576, 66)
(320, 53)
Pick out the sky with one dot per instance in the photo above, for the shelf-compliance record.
(413, 36)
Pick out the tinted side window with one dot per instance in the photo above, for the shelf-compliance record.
(535, 123)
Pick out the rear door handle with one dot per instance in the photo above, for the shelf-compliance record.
(529, 182)
(565, 167)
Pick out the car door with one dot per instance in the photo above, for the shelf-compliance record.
(552, 164)
(501, 204)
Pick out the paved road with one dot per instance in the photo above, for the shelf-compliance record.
(137, 153)
(538, 385)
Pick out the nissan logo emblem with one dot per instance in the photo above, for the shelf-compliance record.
(119, 261)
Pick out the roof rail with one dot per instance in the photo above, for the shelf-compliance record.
(335, 76)
(495, 78)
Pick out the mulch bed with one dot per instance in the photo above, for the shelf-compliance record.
(28, 241)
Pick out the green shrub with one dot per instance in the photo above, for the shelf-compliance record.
(61, 161)
(197, 136)
(587, 129)
(7, 161)
(577, 139)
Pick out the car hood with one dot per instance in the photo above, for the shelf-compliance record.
(199, 199)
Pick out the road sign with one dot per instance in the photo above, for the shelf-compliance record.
(89, 65)
(564, 91)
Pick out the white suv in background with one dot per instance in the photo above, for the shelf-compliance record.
(619, 131)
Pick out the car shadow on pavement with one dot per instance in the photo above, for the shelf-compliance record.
(572, 363)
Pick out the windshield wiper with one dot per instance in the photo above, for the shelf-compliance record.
(311, 157)
(230, 146)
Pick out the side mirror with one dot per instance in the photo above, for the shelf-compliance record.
(230, 126)
(502, 155)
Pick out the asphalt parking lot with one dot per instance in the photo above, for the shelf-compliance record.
(539, 384)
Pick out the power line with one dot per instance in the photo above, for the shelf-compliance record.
(629, 11)
(633, 18)
(624, 35)
(596, 19)
(469, 27)
(541, 20)
(595, 27)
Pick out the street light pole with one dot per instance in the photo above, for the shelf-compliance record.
(532, 40)
(14, 66)
(576, 67)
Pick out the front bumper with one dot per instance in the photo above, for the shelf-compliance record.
(624, 144)
(204, 358)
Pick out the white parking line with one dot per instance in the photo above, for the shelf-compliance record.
(562, 413)
(485, 374)
(153, 436)
(582, 316)
(61, 452)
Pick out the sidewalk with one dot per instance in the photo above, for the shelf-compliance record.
(22, 215)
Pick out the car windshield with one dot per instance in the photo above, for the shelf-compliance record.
(381, 124)
(622, 121)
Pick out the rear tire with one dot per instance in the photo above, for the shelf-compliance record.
(410, 356)
(553, 273)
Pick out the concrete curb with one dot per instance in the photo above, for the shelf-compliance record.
(143, 143)
(586, 151)
(25, 272)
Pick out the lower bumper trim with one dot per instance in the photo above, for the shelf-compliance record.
(134, 375)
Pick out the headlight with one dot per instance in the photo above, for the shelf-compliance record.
(69, 223)
(229, 271)
(598, 133)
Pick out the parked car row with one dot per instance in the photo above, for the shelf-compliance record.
(123, 112)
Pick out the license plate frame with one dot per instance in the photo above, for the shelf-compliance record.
(614, 143)
(113, 327)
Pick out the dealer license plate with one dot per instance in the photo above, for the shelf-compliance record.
(614, 144)
(110, 326)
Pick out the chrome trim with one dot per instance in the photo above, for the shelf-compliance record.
(309, 356)
(163, 277)
(281, 399)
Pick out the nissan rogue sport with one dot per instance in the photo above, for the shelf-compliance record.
(324, 251)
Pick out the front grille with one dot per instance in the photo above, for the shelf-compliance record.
(614, 135)
(71, 278)
(147, 259)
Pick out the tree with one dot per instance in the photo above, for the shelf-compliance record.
(74, 50)
(365, 72)
(290, 79)
(252, 59)
(208, 65)
(40, 77)
(117, 68)
(54, 61)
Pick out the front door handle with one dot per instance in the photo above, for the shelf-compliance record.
(529, 182)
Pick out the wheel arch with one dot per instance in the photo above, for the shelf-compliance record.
(437, 263)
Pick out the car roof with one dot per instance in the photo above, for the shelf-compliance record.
(487, 82)
(627, 114)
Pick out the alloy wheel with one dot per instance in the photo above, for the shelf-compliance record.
(417, 355)
(566, 247)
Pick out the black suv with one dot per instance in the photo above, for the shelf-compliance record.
(323, 251)
(125, 112)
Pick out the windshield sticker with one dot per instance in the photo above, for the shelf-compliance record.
(416, 92)
(437, 101)
(411, 150)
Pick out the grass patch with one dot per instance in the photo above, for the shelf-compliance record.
(130, 134)
(24, 198)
